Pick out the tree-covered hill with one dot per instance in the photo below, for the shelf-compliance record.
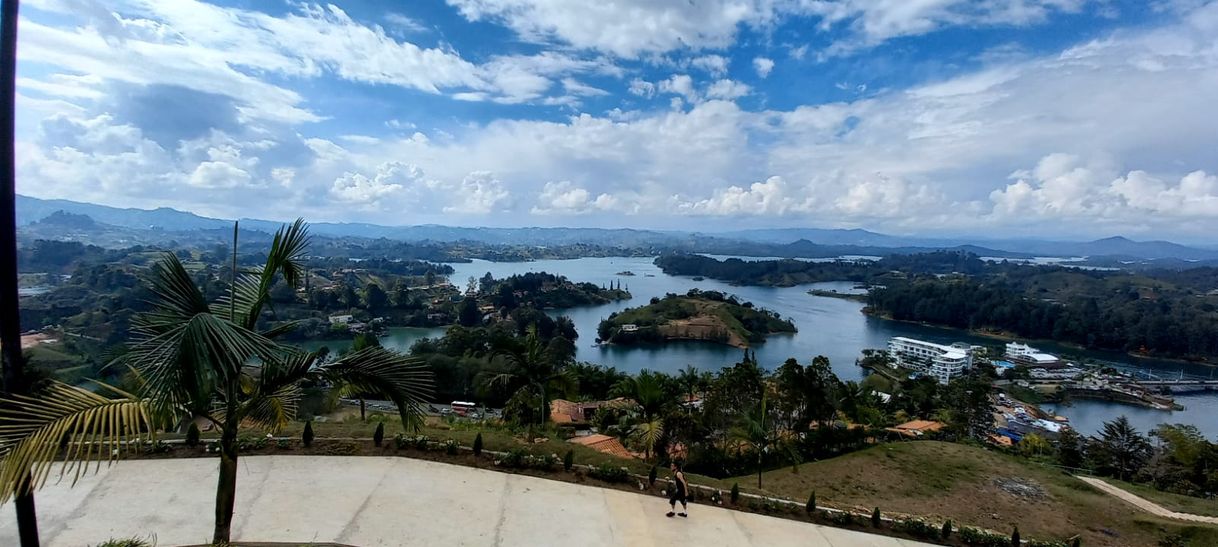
(697, 315)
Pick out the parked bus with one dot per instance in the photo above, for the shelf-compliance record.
(462, 408)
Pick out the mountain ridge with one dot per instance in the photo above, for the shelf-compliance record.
(31, 210)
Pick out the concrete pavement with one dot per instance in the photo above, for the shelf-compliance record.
(385, 501)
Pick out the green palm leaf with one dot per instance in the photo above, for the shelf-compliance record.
(406, 381)
(80, 425)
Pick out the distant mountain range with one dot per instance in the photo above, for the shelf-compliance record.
(805, 242)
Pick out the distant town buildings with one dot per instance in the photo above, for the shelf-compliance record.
(1024, 354)
(928, 358)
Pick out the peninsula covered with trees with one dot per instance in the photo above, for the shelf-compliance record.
(1162, 313)
(697, 315)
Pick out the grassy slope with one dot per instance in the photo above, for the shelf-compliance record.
(1170, 501)
(944, 480)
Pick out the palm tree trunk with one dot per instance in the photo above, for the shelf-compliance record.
(226, 487)
(10, 327)
(363, 410)
(545, 408)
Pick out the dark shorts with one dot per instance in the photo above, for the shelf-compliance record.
(676, 495)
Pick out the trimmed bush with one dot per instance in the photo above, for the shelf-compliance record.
(876, 520)
(1015, 538)
(1077, 542)
(609, 473)
(946, 532)
(451, 447)
(568, 460)
(735, 495)
(378, 436)
(478, 445)
(982, 538)
(283, 444)
(307, 436)
(842, 518)
(917, 528)
(651, 476)
(811, 506)
(192, 435)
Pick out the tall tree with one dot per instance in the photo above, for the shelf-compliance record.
(205, 360)
(375, 298)
(529, 366)
(650, 403)
(1121, 449)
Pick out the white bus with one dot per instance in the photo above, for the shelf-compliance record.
(462, 408)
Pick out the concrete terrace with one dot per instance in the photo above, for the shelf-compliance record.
(373, 501)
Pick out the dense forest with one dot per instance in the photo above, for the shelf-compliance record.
(790, 272)
(544, 290)
(1097, 310)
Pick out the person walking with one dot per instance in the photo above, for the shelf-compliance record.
(679, 491)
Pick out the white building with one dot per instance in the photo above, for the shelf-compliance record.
(340, 319)
(1028, 355)
(935, 360)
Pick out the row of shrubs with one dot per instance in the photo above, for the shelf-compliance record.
(914, 527)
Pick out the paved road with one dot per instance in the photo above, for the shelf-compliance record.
(1145, 504)
(373, 501)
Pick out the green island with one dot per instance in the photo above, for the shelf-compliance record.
(697, 315)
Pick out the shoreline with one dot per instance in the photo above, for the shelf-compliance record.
(1010, 337)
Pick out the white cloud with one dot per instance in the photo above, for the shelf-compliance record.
(715, 65)
(727, 90)
(1061, 186)
(626, 28)
(679, 84)
(224, 50)
(763, 66)
(642, 88)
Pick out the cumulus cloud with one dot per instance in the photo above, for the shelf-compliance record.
(564, 198)
(626, 28)
(1063, 186)
(727, 90)
(763, 66)
(715, 65)
(679, 84)
(642, 88)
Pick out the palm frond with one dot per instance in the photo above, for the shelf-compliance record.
(80, 425)
(185, 363)
(251, 291)
(275, 410)
(406, 381)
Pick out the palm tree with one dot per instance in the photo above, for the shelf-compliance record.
(757, 430)
(646, 391)
(529, 366)
(693, 381)
(198, 360)
(345, 390)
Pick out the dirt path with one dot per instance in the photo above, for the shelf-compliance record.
(1145, 504)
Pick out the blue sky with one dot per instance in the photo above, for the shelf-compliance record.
(1051, 118)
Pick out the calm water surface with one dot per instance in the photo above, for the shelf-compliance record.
(832, 327)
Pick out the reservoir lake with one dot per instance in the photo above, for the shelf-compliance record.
(833, 327)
